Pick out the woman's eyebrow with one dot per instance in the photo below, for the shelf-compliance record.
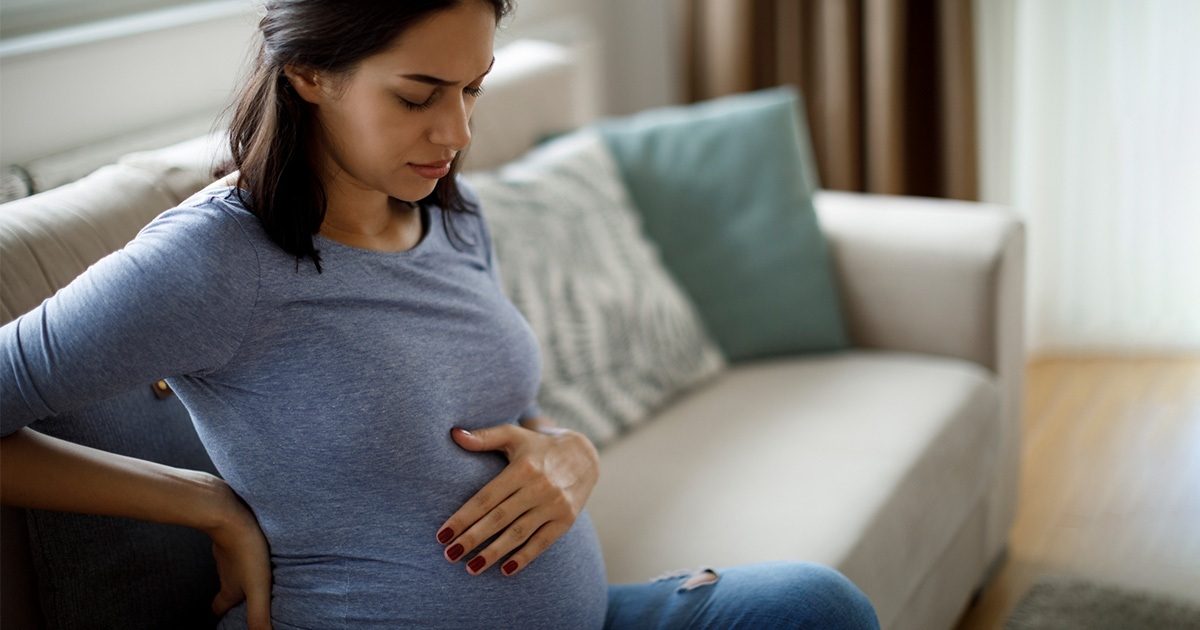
(425, 78)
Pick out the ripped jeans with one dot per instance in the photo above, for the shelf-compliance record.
(777, 594)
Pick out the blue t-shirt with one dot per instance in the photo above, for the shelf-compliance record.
(325, 401)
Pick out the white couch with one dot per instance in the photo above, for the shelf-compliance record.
(895, 462)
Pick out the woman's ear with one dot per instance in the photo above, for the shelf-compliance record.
(305, 82)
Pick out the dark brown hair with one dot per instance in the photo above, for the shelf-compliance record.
(271, 127)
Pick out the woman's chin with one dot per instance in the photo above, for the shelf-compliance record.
(413, 194)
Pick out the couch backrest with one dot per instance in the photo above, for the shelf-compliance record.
(48, 239)
(91, 570)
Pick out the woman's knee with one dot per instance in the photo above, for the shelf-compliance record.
(816, 596)
(842, 603)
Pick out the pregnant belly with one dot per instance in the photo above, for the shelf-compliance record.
(414, 585)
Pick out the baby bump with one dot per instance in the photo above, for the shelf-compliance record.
(564, 587)
(354, 544)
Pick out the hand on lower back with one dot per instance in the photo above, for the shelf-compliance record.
(243, 563)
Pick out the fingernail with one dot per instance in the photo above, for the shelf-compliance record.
(463, 431)
(445, 535)
(509, 567)
(454, 552)
(476, 563)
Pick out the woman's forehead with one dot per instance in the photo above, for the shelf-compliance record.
(454, 45)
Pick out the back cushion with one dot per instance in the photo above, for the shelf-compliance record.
(619, 338)
(100, 571)
(725, 189)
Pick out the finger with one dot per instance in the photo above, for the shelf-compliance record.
(538, 542)
(501, 437)
(500, 488)
(494, 521)
(258, 609)
(514, 536)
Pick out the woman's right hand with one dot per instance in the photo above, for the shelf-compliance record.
(243, 562)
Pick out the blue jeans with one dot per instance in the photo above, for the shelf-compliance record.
(775, 594)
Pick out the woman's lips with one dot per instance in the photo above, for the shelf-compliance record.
(433, 170)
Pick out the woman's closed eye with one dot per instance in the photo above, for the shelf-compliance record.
(473, 92)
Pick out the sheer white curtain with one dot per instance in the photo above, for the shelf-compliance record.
(1103, 160)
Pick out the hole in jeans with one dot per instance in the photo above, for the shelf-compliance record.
(700, 578)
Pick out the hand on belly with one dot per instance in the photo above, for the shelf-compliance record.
(530, 504)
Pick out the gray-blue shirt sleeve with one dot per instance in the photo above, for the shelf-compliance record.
(177, 299)
(468, 193)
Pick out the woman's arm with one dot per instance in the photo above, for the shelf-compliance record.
(43, 472)
(176, 300)
(167, 303)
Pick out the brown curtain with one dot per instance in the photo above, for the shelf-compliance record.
(888, 85)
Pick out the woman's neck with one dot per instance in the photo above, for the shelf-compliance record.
(363, 217)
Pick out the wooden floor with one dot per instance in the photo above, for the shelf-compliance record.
(1110, 480)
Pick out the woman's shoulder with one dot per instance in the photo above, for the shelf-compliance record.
(208, 230)
(224, 202)
(215, 208)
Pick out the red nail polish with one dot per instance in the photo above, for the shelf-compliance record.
(454, 552)
(476, 563)
(509, 567)
(445, 535)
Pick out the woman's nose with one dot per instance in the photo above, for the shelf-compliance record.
(452, 128)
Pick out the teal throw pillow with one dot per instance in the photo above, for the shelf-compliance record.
(725, 190)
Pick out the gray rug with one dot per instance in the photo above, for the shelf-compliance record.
(1064, 603)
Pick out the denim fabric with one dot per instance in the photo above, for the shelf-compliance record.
(765, 595)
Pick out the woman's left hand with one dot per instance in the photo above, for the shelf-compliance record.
(534, 500)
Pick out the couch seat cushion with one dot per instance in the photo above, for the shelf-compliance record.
(867, 461)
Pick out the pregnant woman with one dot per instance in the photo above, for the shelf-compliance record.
(332, 319)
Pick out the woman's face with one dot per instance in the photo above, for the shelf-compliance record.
(407, 105)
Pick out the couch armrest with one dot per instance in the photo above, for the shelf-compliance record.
(935, 276)
(939, 277)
